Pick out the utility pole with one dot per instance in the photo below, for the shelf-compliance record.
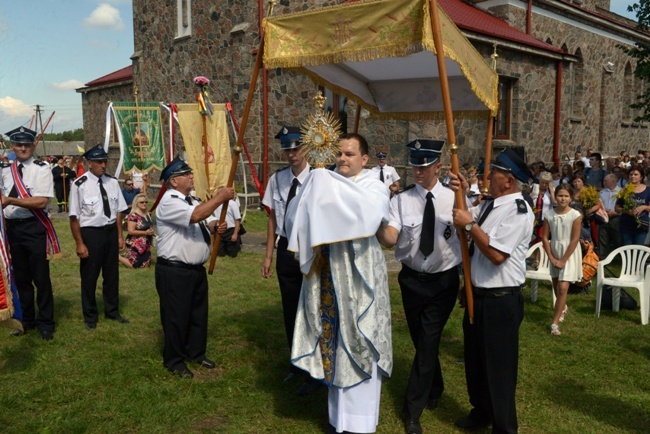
(39, 119)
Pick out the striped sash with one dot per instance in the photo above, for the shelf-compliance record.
(53, 245)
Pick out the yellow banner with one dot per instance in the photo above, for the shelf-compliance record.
(371, 30)
(219, 156)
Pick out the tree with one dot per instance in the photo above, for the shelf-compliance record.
(68, 136)
(641, 53)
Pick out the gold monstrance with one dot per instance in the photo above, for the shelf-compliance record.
(320, 135)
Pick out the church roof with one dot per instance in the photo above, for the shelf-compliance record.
(114, 77)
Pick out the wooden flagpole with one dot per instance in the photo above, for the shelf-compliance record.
(240, 137)
(451, 138)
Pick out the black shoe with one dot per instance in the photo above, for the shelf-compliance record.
(290, 377)
(469, 424)
(119, 319)
(412, 426)
(206, 363)
(91, 325)
(47, 335)
(307, 388)
(432, 403)
(182, 372)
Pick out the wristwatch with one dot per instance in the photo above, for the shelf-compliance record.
(468, 226)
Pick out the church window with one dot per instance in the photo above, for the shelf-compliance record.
(336, 104)
(579, 86)
(628, 94)
(502, 120)
(184, 18)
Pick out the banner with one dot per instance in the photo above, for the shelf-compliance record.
(10, 311)
(140, 135)
(219, 158)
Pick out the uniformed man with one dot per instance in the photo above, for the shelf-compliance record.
(386, 174)
(182, 283)
(96, 207)
(428, 246)
(62, 175)
(281, 189)
(500, 230)
(27, 187)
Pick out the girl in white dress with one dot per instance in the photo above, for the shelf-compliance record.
(560, 237)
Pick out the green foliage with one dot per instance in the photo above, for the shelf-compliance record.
(592, 379)
(641, 53)
(68, 136)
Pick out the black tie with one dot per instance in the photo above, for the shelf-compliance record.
(14, 192)
(292, 194)
(428, 226)
(381, 174)
(107, 208)
(204, 230)
(486, 212)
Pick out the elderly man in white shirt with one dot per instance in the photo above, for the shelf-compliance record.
(609, 236)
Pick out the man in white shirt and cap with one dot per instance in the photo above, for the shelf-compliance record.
(386, 174)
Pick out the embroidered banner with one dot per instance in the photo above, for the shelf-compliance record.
(140, 134)
(219, 156)
(10, 311)
(380, 53)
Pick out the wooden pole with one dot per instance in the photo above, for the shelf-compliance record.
(240, 138)
(451, 138)
(488, 155)
(137, 119)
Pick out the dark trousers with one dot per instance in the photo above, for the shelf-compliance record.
(183, 297)
(227, 247)
(62, 199)
(491, 359)
(428, 301)
(290, 279)
(609, 237)
(28, 247)
(102, 256)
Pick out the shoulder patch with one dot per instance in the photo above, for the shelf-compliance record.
(81, 180)
(521, 206)
(109, 176)
(174, 195)
(406, 189)
(280, 170)
(40, 163)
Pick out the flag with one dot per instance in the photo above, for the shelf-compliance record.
(140, 135)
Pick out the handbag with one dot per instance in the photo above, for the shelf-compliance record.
(601, 217)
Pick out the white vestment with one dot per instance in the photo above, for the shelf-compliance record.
(344, 215)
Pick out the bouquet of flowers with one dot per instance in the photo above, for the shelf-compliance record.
(629, 202)
(589, 197)
(205, 106)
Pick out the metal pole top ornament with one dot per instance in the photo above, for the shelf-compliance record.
(320, 135)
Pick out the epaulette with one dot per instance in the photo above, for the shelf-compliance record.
(109, 176)
(406, 189)
(40, 163)
(196, 199)
(5, 164)
(280, 170)
(81, 180)
(521, 206)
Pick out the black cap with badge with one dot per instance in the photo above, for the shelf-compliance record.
(289, 138)
(174, 168)
(425, 152)
(96, 153)
(21, 135)
(509, 161)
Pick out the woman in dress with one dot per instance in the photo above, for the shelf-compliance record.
(634, 221)
(140, 235)
(578, 186)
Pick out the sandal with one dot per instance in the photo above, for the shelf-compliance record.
(564, 312)
(555, 330)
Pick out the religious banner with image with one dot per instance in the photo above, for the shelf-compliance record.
(140, 135)
(218, 156)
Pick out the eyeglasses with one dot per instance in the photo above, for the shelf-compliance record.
(143, 201)
(128, 185)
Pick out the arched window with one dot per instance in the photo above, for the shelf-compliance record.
(578, 87)
(628, 93)
(502, 120)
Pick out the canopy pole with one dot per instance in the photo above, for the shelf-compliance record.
(490, 132)
(240, 138)
(451, 138)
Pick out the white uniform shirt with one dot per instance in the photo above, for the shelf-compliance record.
(406, 212)
(509, 231)
(37, 177)
(86, 200)
(232, 215)
(390, 174)
(609, 197)
(277, 191)
(178, 239)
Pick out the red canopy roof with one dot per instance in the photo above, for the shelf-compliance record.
(119, 75)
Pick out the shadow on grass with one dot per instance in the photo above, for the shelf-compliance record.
(571, 394)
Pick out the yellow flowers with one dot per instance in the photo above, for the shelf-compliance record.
(589, 197)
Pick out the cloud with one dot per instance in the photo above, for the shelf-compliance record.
(67, 85)
(13, 107)
(106, 17)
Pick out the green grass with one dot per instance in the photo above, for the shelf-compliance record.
(595, 378)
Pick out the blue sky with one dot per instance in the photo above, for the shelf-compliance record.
(51, 47)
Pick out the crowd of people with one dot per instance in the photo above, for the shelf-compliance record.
(330, 264)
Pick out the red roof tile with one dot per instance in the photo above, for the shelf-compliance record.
(113, 77)
(473, 19)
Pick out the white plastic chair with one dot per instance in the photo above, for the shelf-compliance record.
(634, 274)
(543, 272)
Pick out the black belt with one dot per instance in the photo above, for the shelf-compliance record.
(21, 221)
(101, 228)
(421, 275)
(178, 264)
(497, 292)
